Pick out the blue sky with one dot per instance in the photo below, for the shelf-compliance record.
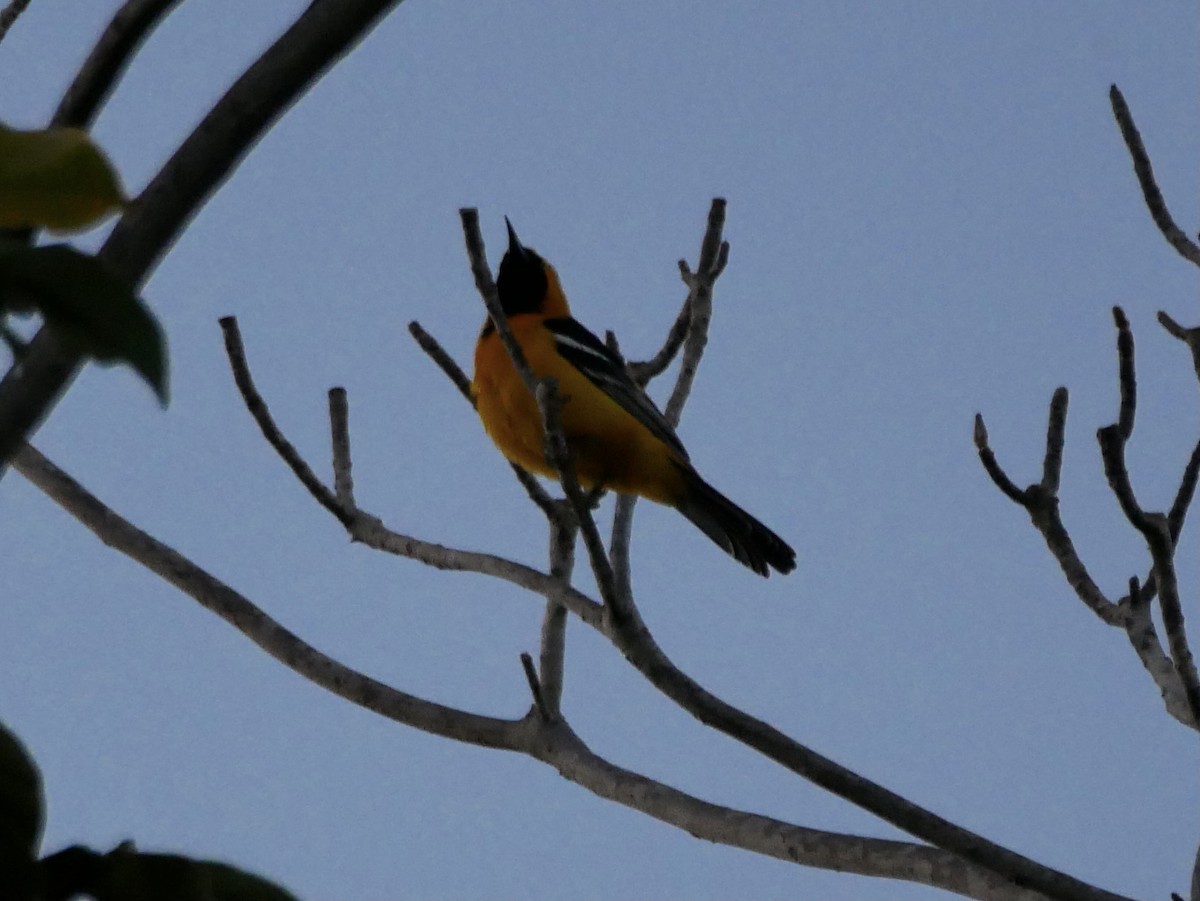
(931, 214)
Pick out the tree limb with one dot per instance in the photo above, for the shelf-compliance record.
(102, 70)
(1040, 501)
(320, 36)
(10, 14)
(235, 609)
(1132, 613)
(631, 636)
(691, 331)
(545, 739)
(368, 529)
(1156, 530)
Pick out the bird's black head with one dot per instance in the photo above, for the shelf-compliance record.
(522, 281)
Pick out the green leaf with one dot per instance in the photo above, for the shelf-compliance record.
(78, 295)
(22, 814)
(231, 884)
(55, 178)
(129, 875)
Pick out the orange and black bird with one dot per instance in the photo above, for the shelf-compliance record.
(617, 437)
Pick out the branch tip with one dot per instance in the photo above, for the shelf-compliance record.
(535, 687)
(980, 433)
(1145, 175)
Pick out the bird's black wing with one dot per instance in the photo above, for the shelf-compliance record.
(606, 371)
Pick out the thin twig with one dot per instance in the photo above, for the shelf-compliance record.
(369, 530)
(714, 254)
(1183, 497)
(236, 353)
(640, 649)
(550, 405)
(643, 372)
(1145, 176)
(552, 743)
(1157, 532)
(1127, 375)
(690, 330)
(1056, 428)
(1143, 638)
(1040, 501)
(102, 70)
(1189, 336)
(321, 35)
(438, 354)
(988, 458)
(10, 14)
(535, 688)
(283, 645)
(339, 432)
(477, 256)
(630, 635)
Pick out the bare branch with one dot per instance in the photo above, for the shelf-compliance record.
(638, 645)
(1183, 497)
(550, 741)
(369, 530)
(643, 372)
(437, 353)
(618, 545)
(236, 352)
(102, 70)
(631, 636)
(1145, 176)
(1056, 428)
(1131, 613)
(714, 254)
(1189, 336)
(1041, 503)
(320, 36)
(992, 467)
(430, 345)
(544, 739)
(535, 688)
(763, 835)
(10, 14)
(1143, 637)
(1195, 888)
(286, 647)
(477, 255)
(491, 297)
(563, 529)
(550, 405)
(1127, 376)
(339, 428)
(1157, 532)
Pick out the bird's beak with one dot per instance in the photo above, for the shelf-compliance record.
(514, 243)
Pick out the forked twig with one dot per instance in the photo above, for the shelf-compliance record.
(369, 530)
(1132, 612)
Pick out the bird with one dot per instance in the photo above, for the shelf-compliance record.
(616, 437)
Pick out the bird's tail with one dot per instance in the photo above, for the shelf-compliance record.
(741, 535)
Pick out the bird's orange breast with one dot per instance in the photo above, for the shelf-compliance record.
(608, 446)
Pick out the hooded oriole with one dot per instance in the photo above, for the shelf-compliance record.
(616, 435)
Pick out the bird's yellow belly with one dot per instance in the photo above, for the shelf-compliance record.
(608, 446)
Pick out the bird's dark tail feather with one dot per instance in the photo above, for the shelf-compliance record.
(741, 535)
